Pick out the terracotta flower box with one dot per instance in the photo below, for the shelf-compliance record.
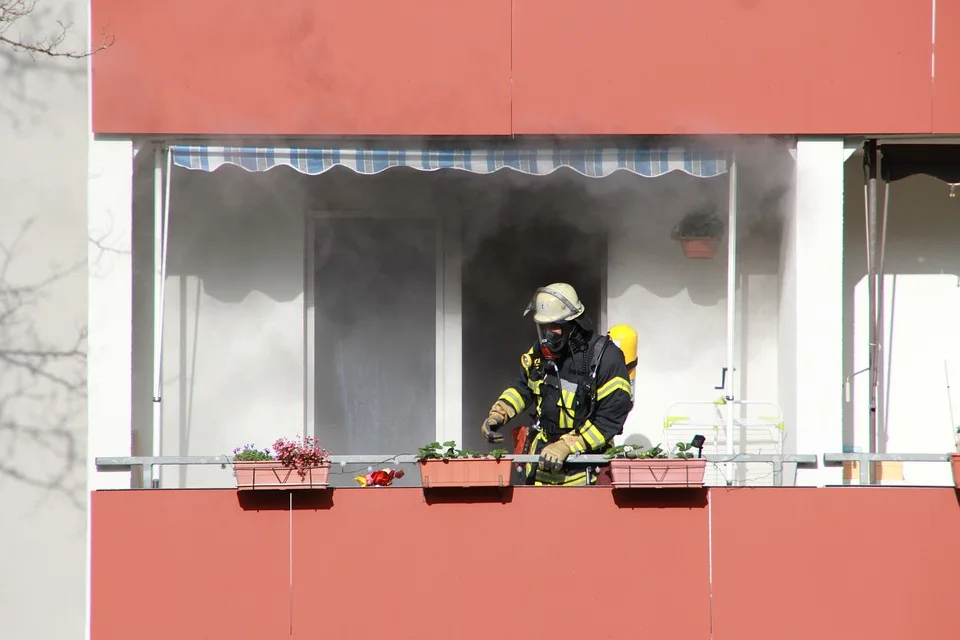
(465, 472)
(699, 248)
(271, 474)
(955, 467)
(657, 472)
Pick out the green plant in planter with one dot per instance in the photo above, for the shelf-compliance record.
(249, 453)
(448, 451)
(683, 450)
(633, 451)
(700, 224)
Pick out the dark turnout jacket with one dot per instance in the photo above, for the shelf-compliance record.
(567, 398)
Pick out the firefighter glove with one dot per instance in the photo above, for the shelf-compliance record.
(553, 456)
(500, 414)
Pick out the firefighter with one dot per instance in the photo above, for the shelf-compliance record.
(575, 381)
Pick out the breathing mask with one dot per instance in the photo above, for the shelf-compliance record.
(552, 343)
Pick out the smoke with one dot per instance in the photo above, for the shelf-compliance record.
(587, 205)
(386, 248)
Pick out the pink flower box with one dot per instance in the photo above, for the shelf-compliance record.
(657, 472)
(271, 474)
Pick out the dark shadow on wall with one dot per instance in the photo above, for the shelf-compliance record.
(234, 230)
(280, 500)
(668, 498)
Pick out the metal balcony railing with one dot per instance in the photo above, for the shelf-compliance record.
(145, 464)
(837, 459)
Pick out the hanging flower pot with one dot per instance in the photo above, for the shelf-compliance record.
(443, 465)
(270, 474)
(699, 248)
(631, 467)
(300, 464)
(699, 234)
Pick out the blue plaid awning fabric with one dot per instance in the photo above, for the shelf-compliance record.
(599, 162)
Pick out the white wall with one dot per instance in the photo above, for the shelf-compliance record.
(43, 178)
(922, 293)
(811, 302)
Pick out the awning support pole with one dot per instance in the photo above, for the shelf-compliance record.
(870, 185)
(881, 413)
(161, 225)
(731, 313)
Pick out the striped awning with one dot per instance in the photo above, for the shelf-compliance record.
(597, 162)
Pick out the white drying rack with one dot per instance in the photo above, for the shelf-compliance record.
(675, 419)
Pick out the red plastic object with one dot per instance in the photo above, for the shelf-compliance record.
(519, 439)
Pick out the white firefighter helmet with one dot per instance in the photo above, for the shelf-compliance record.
(557, 302)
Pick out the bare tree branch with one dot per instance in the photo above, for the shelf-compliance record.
(13, 11)
(42, 387)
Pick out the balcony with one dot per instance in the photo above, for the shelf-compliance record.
(400, 562)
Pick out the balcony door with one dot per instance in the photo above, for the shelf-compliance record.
(499, 278)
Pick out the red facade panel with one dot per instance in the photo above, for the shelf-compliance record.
(721, 67)
(553, 563)
(791, 563)
(187, 564)
(489, 67)
(796, 563)
(302, 67)
(385, 562)
(946, 91)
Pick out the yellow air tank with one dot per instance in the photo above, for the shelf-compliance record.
(625, 337)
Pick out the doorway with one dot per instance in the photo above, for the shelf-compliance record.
(499, 279)
(375, 332)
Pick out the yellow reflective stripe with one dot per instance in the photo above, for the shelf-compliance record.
(514, 398)
(575, 479)
(545, 479)
(577, 446)
(533, 449)
(612, 385)
(566, 417)
(592, 435)
(575, 443)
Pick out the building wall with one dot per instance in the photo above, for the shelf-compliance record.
(43, 283)
(235, 348)
(922, 303)
(495, 79)
(315, 553)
